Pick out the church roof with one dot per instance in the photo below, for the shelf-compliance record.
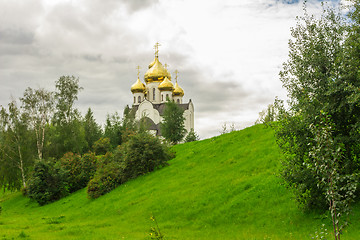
(166, 85)
(138, 86)
(157, 72)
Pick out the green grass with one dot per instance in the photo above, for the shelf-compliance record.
(225, 187)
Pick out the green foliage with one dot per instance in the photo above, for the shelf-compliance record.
(108, 176)
(192, 136)
(79, 169)
(319, 77)
(47, 183)
(38, 105)
(326, 155)
(16, 155)
(113, 129)
(91, 129)
(69, 132)
(102, 146)
(142, 154)
(172, 126)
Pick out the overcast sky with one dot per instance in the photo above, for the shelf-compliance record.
(228, 53)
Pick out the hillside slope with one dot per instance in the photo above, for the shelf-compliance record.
(225, 187)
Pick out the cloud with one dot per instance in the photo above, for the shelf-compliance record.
(228, 53)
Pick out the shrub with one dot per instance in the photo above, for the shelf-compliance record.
(102, 146)
(71, 163)
(47, 183)
(107, 178)
(144, 153)
(79, 169)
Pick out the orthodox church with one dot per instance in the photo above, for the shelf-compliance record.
(150, 98)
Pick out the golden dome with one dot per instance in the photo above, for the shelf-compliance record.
(178, 91)
(138, 87)
(152, 63)
(166, 85)
(156, 72)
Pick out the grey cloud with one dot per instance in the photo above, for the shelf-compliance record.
(136, 5)
(16, 36)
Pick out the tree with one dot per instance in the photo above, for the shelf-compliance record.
(113, 129)
(16, 157)
(68, 133)
(92, 129)
(172, 127)
(38, 105)
(192, 136)
(326, 155)
(321, 75)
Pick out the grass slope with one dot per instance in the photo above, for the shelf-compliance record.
(220, 188)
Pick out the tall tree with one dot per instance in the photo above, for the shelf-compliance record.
(68, 133)
(173, 126)
(114, 129)
(16, 157)
(38, 105)
(320, 76)
(91, 128)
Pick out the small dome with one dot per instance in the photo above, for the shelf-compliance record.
(178, 91)
(166, 85)
(156, 72)
(138, 87)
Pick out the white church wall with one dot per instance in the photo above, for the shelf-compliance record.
(152, 88)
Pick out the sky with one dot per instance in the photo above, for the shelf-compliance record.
(228, 52)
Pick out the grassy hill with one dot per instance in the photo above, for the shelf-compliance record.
(225, 187)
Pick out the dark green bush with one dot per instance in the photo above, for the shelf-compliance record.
(107, 178)
(141, 154)
(47, 183)
(102, 146)
(79, 169)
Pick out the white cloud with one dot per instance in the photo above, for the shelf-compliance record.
(228, 53)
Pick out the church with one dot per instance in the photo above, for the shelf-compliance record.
(149, 99)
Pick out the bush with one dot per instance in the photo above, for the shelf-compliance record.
(102, 146)
(47, 183)
(106, 179)
(143, 153)
(79, 169)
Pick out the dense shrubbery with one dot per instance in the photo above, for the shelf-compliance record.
(79, 170)
(47, 183)
(102, 146)
(143, 153)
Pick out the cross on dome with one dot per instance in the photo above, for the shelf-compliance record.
(138, 68)
(176, 74)
(156, 47)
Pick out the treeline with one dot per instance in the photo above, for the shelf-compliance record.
(48, 149)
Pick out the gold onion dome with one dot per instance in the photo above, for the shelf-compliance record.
(156, 72)
(178, 91)
(166, 85)
(138, 87)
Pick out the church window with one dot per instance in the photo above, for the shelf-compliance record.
(139, 99)
(154, 94)
(134, 100)
(167, 97)
(162, 97)
(178, 101)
